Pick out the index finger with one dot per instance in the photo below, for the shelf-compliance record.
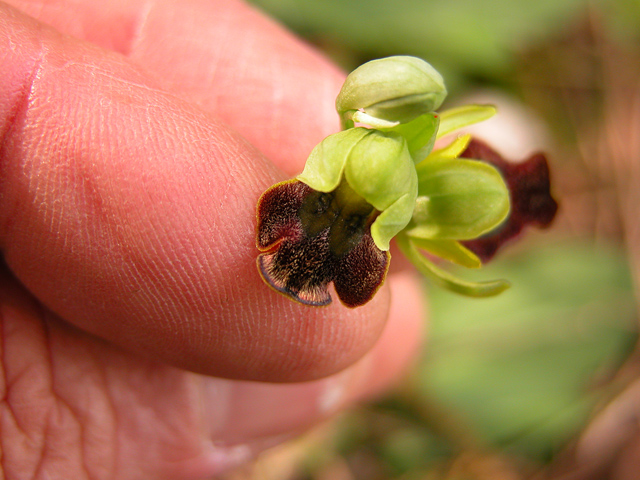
(223, 56)
(131, 214)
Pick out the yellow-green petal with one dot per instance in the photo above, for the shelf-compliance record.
(325, 165)
(420, 135)
(453, 150)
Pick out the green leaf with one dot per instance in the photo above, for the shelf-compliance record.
(420, 135)
(445, 279)
(324, 167)
(449, 250)
(458, 199)
(476, 38)
(455, 118)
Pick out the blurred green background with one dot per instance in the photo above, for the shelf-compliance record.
(540, 381)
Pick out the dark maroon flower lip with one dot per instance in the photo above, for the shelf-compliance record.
(310, 239)
(529, 187)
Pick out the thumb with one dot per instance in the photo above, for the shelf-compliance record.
(131, 214)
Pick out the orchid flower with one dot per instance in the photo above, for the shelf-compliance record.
(379, 179)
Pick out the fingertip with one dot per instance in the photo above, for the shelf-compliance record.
(131, 214)
(319, 342)
(404, 332)
(259, 410)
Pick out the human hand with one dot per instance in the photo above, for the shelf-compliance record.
(127, 222)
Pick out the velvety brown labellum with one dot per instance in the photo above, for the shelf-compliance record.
(312, 238)
(530, 195)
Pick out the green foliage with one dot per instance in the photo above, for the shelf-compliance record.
(523, 368)
(456, 36)
(450, 250)
(458, 199)
(437, 202)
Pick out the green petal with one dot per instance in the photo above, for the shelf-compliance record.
(380, 169)
(453, 150)
(420, 135)
(324, 167)
(464, 116)
(382, 172)
(396, 89)
(458, 199)
(444, 278)
(391, 222)
(450, 250)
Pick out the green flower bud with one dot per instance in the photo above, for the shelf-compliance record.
(383, 93)
(377, 166)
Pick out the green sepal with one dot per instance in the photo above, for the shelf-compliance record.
(455, 118)
(458, 199)
(450, 250)
(325, 165)
(420, 135)
(381, 170)
(445, 279)
(394, 89)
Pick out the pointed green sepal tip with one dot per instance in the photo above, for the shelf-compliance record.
(445, 279)
(460, 117)
(450, 250)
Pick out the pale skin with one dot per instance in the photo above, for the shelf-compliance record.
(137, 137)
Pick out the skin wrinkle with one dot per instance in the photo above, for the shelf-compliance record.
(14, 381)
(208, 259)
(15, 392)
(128, 402)
(137, 31)
(56, 412)
(108, 424)
(8, 211)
